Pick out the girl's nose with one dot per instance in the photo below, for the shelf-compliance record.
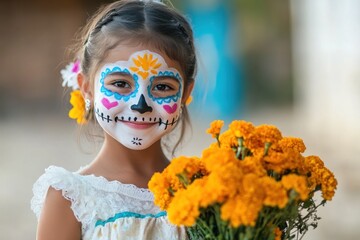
(141, 106)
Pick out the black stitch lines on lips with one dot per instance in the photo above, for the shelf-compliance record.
(167, 123)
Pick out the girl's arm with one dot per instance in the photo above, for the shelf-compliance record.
(57, 220)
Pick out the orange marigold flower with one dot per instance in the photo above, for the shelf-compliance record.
(184, 169)
(241, 210)
(298, 183)
(241, 128)
(223, 182)
(78, 107)
(322, 176)
(263, 134)
(277, 233)
(184, 209)
(159, 186)
(275, 193)
(292, 143)
(215, 128)
(217, 157)
(228, 139)
(282, 161)
(328, 184)
(253, 164)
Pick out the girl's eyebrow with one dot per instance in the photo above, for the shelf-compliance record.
(119, 73)
(167, 77)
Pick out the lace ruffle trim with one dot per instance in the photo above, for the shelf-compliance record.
(81, 191)
(59, 179)
(130, 190)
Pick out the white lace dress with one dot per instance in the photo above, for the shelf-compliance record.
(107, 209)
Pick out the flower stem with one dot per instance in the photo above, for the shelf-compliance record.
(239, 150)
(267, 147)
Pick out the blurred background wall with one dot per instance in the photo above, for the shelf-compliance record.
(289, 63)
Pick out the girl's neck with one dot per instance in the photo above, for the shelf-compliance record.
(116, 162)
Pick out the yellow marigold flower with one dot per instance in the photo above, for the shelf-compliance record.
(241, 210)
(78, 104)
(298, 183)
(263, 134)
(159, 186)
(251, 184)
(281, 161)
(184, 209)
(292, 143)
(313, 163)
(253, 164)
(222, 183)
(277, 233)
(328, 184)
(217, 157)
(215, 128)
(228, 139)
(188, 100)
(186, 165)
(174, 178)
(241, 128)
(275, 193)
(322, 176)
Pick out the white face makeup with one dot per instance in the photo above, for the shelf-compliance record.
(138, 101)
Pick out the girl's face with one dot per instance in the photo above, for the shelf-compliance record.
(138, 95)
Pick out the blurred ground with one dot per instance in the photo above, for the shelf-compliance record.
(28, 146)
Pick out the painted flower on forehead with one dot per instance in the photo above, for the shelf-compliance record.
(146, 64)
(69, 75)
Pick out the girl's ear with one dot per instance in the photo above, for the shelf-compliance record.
(187, 92)
(85, 86)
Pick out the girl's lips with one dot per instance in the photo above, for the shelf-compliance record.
(138, 125)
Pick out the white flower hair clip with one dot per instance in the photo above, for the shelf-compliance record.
(69, 75)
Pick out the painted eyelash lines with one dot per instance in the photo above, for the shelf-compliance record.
(135, 119)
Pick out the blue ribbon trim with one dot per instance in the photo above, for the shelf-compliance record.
(129, 214)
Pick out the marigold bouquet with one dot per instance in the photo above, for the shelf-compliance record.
(250, 184)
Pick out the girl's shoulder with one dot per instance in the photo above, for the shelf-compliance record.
(90, 196)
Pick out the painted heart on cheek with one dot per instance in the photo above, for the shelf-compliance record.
(170, 109)
(108, 104)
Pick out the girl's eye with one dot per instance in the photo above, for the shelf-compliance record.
(121, 84)
(162, 87)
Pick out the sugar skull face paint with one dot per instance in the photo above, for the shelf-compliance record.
(138, 101)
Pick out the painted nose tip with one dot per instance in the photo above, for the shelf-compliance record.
(141, 106)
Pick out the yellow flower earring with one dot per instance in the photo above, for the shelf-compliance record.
(188, 100)
(78, 107)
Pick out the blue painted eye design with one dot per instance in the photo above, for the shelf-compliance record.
(165, 87)
(119, 83)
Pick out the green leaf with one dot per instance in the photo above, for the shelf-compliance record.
(308, 203)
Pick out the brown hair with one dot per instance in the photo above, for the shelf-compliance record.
(141, 22)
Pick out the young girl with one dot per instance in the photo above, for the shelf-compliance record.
(137, 62)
